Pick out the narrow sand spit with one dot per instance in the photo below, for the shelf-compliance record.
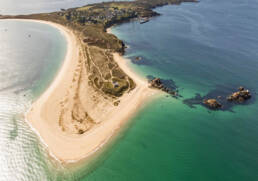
(45, 113)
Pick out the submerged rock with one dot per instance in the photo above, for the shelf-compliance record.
(240, 96)
(212, 103)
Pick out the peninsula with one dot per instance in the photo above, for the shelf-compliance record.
(94, 92)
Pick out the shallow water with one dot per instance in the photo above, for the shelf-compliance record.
(202, 47)
(27, 68)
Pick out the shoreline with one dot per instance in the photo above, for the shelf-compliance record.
(73, 148)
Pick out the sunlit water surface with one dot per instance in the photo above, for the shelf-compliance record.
(200, 46)
(30, 55)
(14, 7)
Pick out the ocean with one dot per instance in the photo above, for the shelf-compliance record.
(206, 48)
(31, 54)
(14, 7)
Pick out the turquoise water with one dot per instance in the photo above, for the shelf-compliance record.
(201, 47)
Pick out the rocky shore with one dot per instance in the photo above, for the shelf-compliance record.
(212, 103)
(157, 83)
(240, 96)
(236, 97)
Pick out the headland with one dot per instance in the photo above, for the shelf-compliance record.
(95, 92)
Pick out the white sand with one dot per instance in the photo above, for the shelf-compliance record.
(43, 115)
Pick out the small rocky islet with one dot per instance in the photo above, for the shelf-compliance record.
(160, 84)
(218, 102)
(212, 103)
(138, 58)
(238, 97)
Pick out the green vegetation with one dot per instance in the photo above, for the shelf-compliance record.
(109, 79)
(89, 23)
(115, 88)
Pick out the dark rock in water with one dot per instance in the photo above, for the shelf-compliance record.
(241, 88)
(167, 86)
(220, 93)
(240, 96)
(138, 58)
(156, 83)
(212, 103)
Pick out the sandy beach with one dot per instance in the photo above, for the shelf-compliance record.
(43, 116)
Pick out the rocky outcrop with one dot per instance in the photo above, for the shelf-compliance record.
(212, 103)
(240, 96)
(158, 84)
(236, 97)
(138, 58)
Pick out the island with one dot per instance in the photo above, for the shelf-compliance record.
(95, 92)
